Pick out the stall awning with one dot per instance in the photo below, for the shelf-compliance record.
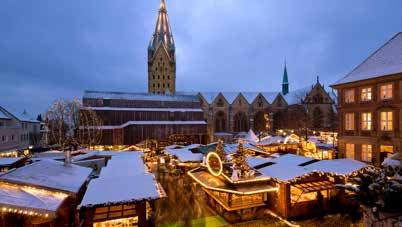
(315, 186)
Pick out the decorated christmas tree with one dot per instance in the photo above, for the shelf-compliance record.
(221, 152)
(239, 160)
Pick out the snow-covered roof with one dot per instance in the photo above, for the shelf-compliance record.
(185, 155)
(291, 159)
(128, 123)
(256, 161)
(271, 140)
(209, 96)
(387, 60)
(50, 174)
(296, 96)
(139, 96)
(146, 109)
(123, 180)
(270, 96)
(25, 116)
(283, 172)
(286, 167)
(337, 166)
(6, 112)
(250, 96)
(4, 116)
(31, 200)
(231, 96)
(394, 161)
(233, 147)
(9, 161)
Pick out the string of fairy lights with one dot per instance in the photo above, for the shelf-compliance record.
(33, 191)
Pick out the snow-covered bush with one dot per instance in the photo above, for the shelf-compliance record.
(381, 189)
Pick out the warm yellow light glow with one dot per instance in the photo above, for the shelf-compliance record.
(210, 156)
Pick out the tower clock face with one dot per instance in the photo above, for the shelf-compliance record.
(214, 164)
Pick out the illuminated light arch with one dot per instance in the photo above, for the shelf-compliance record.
(212, 169)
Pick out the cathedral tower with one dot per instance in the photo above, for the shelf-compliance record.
(162, 56)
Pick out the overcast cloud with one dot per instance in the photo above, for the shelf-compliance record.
(58, 48)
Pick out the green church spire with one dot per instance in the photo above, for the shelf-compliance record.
(285, 81)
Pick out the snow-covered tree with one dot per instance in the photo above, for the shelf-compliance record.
(220, 151)
(381, 189)
(240, 162)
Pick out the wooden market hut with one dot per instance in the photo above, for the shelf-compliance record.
(308, 186)
(236, 199)
(120, 195)
(44, 192)
(10, 163)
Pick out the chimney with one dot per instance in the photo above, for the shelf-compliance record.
(67, 160)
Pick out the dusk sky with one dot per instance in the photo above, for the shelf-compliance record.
(57, 49)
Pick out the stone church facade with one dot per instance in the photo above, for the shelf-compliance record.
(162, 56)
(233, 112)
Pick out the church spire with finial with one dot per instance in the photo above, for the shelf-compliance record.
(162, 56)
(285, 81)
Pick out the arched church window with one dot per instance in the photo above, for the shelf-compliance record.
(259, 103)
(168, 77)
(220, 122)
(168, 85)
(240, 122)
(260, 122)
(158, 77)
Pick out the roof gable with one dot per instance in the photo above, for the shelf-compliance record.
(270, 96)
(209, 97)
(319, 90)
(250, 96)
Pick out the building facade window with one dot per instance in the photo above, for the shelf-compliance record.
(350, 150)
(386, 121)
(366, 94)
(387, 150)
(349, 96)
(386, 91)
(349, 121)
(367, 152)
(366, 121)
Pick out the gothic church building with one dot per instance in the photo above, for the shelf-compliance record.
(233, 112)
